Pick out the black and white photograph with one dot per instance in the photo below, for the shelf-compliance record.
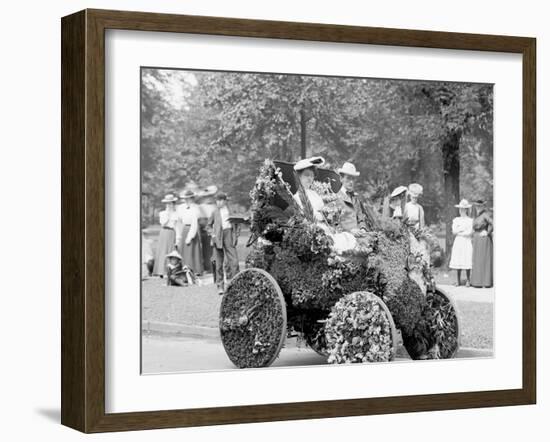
(303, 220)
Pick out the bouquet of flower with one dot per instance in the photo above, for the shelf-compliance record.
(267, 218)
(331, 210)
(359, 330)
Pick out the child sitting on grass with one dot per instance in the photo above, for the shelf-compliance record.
(179, 274)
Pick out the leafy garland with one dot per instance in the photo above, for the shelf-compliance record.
(331, 211)
(425, 234)
(261, 255)
(298, 254)
(402, 296)
(435, 335)
(251, 320)
(306, 240)
(358, 329)
(268, 220)
(265, 188)
(312, 277)
(300, 280)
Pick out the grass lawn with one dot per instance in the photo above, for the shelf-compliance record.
(181, 305)
(200, 306)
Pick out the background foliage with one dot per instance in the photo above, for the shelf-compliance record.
(218, 127)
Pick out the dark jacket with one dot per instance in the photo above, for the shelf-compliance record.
(215, 228)
(353, 212)
(483, 221)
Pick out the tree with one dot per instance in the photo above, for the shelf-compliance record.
(174, 129)
(464, 108)
(395, 131)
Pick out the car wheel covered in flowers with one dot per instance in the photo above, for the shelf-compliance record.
(348, 306)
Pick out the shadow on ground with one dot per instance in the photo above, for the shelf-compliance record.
(51, 414)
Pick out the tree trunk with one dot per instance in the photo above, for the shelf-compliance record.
(451, 175)
(303, 144)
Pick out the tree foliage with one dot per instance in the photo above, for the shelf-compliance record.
(223, 125)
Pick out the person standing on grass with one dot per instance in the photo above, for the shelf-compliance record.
(461, 255)
(187, 233)
(482, 263)
(206, 207)
(225, 236)
(167, 236)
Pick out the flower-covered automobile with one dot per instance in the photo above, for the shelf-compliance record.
(347, 306)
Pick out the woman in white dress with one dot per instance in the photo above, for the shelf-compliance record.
(413, 215)
(167, 236)
(461, 255)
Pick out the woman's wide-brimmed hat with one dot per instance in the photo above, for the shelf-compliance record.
(169, 199)
(464, 204)
(187, 194)
(479, 202)
(174, 254)
(306, 163)
(415, 189)
(348, 169)
(398, 191)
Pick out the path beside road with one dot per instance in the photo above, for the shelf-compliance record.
(470, 294)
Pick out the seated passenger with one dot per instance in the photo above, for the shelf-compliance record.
(353, 213)
(305, 170)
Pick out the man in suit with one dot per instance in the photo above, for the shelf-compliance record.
(225, 236)
(356, 217)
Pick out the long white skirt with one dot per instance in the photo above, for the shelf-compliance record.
(461, 255)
